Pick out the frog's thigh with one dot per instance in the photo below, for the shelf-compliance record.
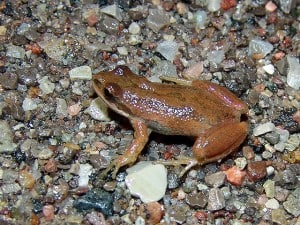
(141, 135)
(220, 141)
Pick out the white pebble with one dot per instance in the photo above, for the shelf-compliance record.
(269, 69)
(29, 104)
(98, 110)
(134, 28)
(46, 85)
(293, 76)
(272, 204)
(81, 72)
(122, 50)
(263, 128)
(84, 172)
(214, 5)
(147, 181)
(270, 170)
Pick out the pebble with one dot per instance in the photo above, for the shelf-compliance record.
(235, 176)
(97, 199)
(113, 10)
(45, 153)
(269, 187)
(29, 104)
(214, 5)
(293, 76)
(278, 217)
(55, 48)
(15, 52)
(85, 170)
(263, 128)
(134, 28)
(216, 56)
(286, 5)
(147, 181)
(281, 194)
(241, 162)
(270, 69)
(292, 143)
(6, 138)
(26, 179)
(215, 179)
(9, 81)
(256, 170)
(3, 30)
(61, 108)
(259, 47)
(272, 204)
(292, 204)
(272, 137)
(110, 25)
(122, 50)
(98, 110)
(46, 85)
(10, 188)
(73, 110)
(270, 6)
(248, 152)
(196, 200)
(168, 49)
(157, 19)
(216, 200)
(200, 17)
(48, 212)
(135, 39)
(154, 212)
(81, 73)
(270, 170)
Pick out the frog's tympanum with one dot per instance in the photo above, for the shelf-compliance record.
(203, 110)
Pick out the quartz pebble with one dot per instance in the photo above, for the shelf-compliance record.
(269, 69)
(6, 138)
(85, 170)
(15, 52)
(293, 76)
(259, 47)
(113, 10)
(272, 204)
(168, 49)
(46, 85)
(263, 128)
(147, 181)
(214, 5)
(215, 179)
(269, 187)
(98, 110)
(55, 48)
(157, 19)
(134, 28)
(81, 72)
(216, 200)
(200, 18)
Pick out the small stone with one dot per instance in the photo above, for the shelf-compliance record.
(122, 50)
(266, 155)
(278, 217)
(10, 188)
(134, 28)
(26, 179)
(270, 69)
(110, 25)
(272, 204)
(259, 48)
(48, 212)
(81, 73)
(292, 143)
(270, 6)
(263, 128)
(270, 170)
(61, 108)
(215, 179)
(46, 85)
(292, 204)
(168, 49)
(50, 166)
(54, 48)
(147, 181)
(281, 194)
(286, 5)
(85, 170)
(45, 153)
(135, 39)
(15, 52)
(97, 199)
(98, 110)
(293, 76)
(256, 170)
(154, 212)
(216, 200)
(269, 187)
(228, 4)
(248, 152)
(73, 110)
(214, 5)
(181, 8)
(3, 30)
(194, 71)
(201, 20)
(235, 176)
(9, 81)
(29, 104)
(6, 138)
(113, 10)
(272, 137)
(196, 200)
(241, 162)
(157, 19)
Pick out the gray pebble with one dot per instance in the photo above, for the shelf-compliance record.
(215, 179)
(216, 200)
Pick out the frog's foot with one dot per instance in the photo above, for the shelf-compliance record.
(188, 161)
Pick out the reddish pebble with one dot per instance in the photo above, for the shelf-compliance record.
(278, 55)
(248, 152)
(73, 110)
(34, 220)
(50, 166)
(228, 4)
(296, 116)
(201, 215)
(270, 6)
(235, 176)
(256, 170)
(92, 20)
(35, 48)
(48, 212)
(155, 212)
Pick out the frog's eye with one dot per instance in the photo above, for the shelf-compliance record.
(112, 90)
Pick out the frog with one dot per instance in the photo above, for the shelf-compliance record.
(214, 117)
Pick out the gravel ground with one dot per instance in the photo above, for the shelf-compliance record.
(56, 136)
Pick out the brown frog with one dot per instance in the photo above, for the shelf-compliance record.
(203, 110)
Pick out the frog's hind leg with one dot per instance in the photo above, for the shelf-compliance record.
(141, 134)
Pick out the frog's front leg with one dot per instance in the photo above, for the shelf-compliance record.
(219, 141)
(141, 135)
